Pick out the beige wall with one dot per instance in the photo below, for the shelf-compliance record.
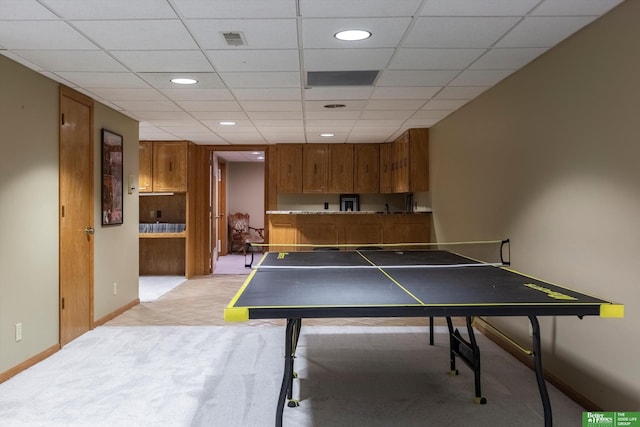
(29, 220)
(549, 158)
(245, 190)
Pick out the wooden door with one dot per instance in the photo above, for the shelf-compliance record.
(315, 163)
(341, 168)
(366, 175)
(222, 209)
(76, 215)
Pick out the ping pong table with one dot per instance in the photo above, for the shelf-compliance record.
(403, 283)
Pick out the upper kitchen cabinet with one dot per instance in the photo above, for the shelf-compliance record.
(315, 168)
(366, 168)
(404, 163)
(163, 167)
(418, 159)
(289, 168)
(385, 168)
(341, 168)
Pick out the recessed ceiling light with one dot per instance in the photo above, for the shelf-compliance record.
(184, 81)
(327, 135)
(334, 106)
(352, 35)
(227, 123)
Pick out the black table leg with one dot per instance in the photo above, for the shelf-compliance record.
(537, 362)
(431, 330)
(286, 390)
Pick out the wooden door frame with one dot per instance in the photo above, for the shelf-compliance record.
(66, 92)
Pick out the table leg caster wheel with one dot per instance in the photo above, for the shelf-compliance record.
(480, 401)
(293, 403)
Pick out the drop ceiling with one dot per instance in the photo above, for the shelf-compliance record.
(432, 57)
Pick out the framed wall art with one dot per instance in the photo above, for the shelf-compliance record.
(112, 178)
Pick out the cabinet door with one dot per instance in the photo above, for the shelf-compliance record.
(317, 230)
(341, 168)
(366, 176)
(282, 232)
(385, 168)
(145, 162)
(401, 161)
(315, 161)
(290, 168)
(419, 159)
(407, 228)
(170, 166)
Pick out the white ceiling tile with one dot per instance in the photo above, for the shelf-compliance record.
(215, 125)
(275, 115)
(431, 114)
(418, 123)
(458, 32)
(187, 94)
(507, 58)
(24, 9)
(337, 93)
(575, 7)
(356, 8)
(386, 32)
(243, 138)
(210, 105)
(346, 59)
(374, 124)
(258, 33)
(399, 105)
(262, 80)
(478, 8)
(155, 134)
(276, 94)
(159, 34)
(321, 125)
(542, 31)
(45, 35)
(219, 116)
(111, 9)
(71, 60)
(271, 105)
(416, 78)
(386, 114)
(163, 80)
(104, 80)
(368, 137)
(164, 60)
(162, 116)
(434, 59)
(409, 92)
(244, 9)
(480, 77)
(128, 94)
(136, 106)
(333, 115)
(461, 92)
(255, 60)
(287, 124)
(444, 104)
(338, 138)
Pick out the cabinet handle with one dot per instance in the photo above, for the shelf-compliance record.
(289, 169)
(170, 167)
(315, 168)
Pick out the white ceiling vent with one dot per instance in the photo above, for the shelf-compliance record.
(234, 38)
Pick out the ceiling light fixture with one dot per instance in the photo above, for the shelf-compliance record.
(227, 123)
(327, 135)
(334, 106)
(184, 81)
(352, 35)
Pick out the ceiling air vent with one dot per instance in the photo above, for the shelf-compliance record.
(234, 38)
(341, 78)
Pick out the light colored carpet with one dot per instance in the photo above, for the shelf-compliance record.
(229, 376)
(234, 264)
(150, 288)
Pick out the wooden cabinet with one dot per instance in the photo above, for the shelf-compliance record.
(400, 161)
(170, 166)
(418, 159)
(315, 168)
(145, 167)
(290, 168)
(340, 168)
(385, 168)
(282, 229)
(316, 230)
(406, 228)
(163, 167)
(366, 175)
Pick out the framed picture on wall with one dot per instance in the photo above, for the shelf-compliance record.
(112, 184)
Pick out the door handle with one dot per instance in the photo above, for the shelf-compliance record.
(90, 230)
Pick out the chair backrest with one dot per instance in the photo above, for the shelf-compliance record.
(239, 221)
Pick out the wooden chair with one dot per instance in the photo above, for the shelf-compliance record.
(241, 234)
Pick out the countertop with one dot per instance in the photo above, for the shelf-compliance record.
(423, 211)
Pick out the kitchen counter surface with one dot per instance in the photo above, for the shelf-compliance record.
(324, 212)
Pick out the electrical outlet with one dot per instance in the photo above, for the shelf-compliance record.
(18, 332)
(152, 214)
(115, 288)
